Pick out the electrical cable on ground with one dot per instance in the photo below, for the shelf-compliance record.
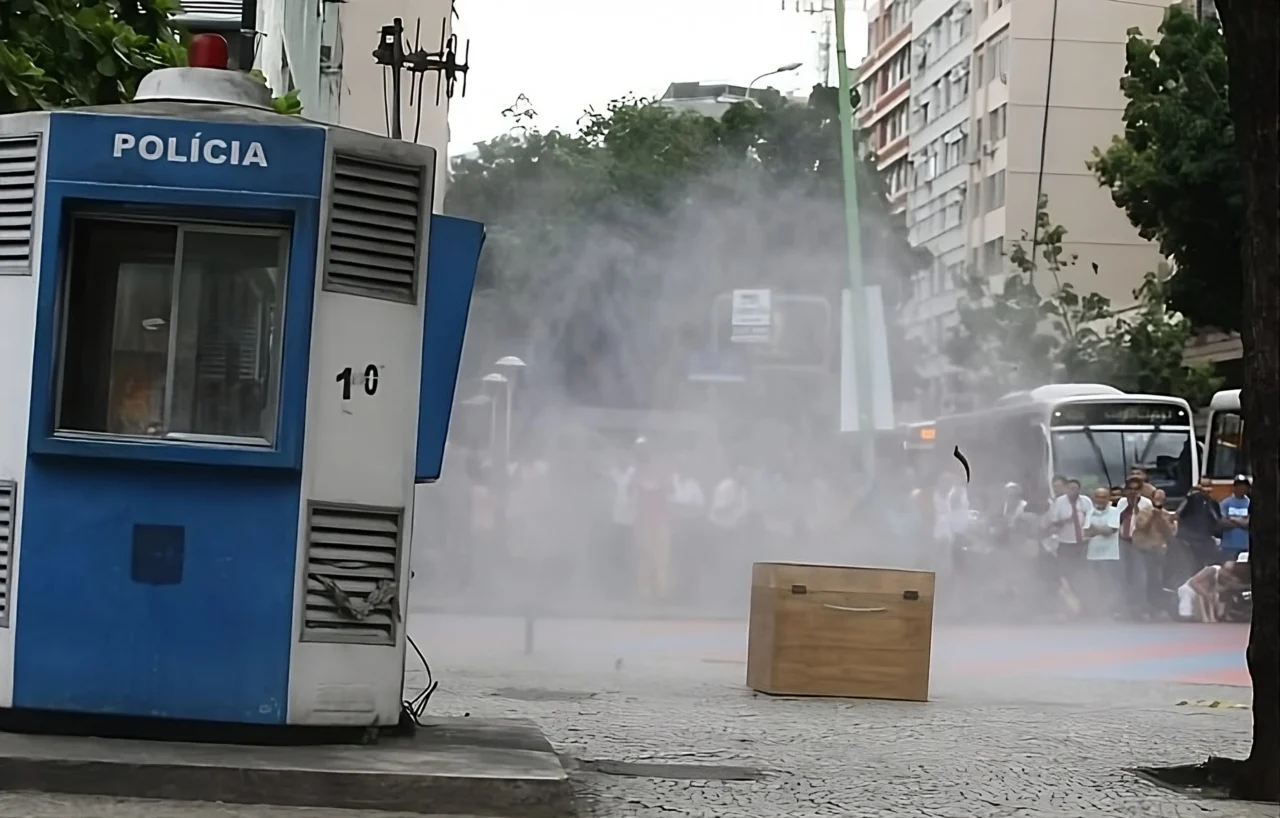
(417, 706)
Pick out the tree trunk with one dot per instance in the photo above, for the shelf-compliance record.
(1251, 28)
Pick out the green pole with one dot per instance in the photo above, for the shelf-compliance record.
(857, 293)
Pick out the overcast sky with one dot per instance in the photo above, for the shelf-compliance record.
(569, 54)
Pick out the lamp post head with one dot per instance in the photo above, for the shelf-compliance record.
(494, 377)
(509, 360)
(791, 66)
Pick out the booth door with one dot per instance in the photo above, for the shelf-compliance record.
(158, 536)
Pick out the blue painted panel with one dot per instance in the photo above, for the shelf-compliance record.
(156, 590)
(160, 152)
(61, 201)
(451, 276)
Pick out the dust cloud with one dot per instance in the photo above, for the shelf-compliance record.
(652, 458)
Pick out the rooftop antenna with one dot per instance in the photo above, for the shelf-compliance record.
(392, 53)
(824, 10)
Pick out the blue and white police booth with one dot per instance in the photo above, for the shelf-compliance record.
(228, 342)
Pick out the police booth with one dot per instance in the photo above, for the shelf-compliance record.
(230, 340)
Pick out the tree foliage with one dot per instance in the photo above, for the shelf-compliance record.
(1015, 337)
(1145, 349)
(643, 216)
(1175, 170)
(65, 53)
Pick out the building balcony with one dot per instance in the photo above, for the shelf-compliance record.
(878, 55)
(875, 111)
(891, 151)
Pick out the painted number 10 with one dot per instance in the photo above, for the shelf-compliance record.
(370, 381)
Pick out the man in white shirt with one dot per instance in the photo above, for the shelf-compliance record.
(950, 520)
(689, 507)
(1103, 553)
(1068, 519)
(729, 502)
(617, 559)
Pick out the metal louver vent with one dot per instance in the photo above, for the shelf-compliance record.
(8, 518)
(375, 220)
(19, 157)
(353, 571)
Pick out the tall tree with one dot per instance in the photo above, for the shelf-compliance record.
(64, 53)
(1145, 349)
(1175, 170)
(1015, 337)
(1252, 29)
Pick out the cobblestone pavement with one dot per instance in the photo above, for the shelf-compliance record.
(978, 750)
(995, 748)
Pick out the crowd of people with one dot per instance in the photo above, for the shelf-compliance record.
(651, 525)
(1115, 553)
(645, 524)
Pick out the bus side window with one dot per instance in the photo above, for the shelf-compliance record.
(1032, 453)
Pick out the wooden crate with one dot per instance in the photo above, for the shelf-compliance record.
(830, 630)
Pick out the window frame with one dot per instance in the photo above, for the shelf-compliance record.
(182, 225)
(299, 212)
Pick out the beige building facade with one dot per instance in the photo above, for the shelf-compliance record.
(1043, 83)
(1048, 92)
(885, 87)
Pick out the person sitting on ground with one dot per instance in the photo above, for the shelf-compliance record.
(1198, 596)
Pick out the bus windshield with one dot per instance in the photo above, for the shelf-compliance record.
(1103, 458)
(1228, 453)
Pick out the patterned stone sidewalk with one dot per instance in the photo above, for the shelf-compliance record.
(978, 750)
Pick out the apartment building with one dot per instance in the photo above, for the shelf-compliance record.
(941, 149)
(324, 51)
(1042, 84)
(885, 88)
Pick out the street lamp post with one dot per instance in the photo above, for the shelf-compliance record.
(510, 362)
(485, 400)
(782, 69)
(857, 293)
(496, 377)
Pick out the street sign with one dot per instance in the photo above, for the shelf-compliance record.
(752, 317)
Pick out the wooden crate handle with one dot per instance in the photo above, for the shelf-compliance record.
(854, 610)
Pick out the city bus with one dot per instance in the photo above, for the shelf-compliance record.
(1226, 452)
(919, 443)
(1091, 432)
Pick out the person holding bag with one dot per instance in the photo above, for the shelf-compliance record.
(1138, 547)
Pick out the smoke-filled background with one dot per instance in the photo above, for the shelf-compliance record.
(647, 459)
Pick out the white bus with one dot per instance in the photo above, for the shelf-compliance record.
(1090, 432)
(1226, 452)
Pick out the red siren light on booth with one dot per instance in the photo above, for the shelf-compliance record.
(207, 51)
